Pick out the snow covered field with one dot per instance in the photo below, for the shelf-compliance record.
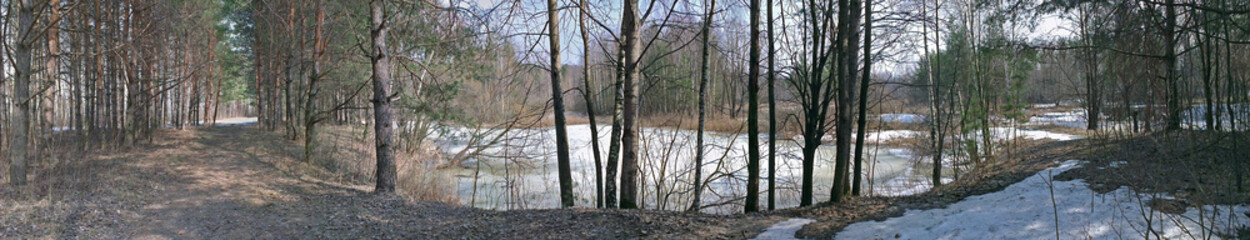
(1028, 209)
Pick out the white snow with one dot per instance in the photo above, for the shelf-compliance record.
(1034, 134)
(1025, 211)
(1072, 119)
(904, 185)
(784, 229)
(906, 118)
(888, 135)
(236, 121)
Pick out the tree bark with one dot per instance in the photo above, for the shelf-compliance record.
(557, 100)
(848, 45)
(629, 136)
(862, 127)
(310, 113)
(385, 172)
(614, 146)
(753, 113)
(704, 51)
(589, 96)
(772, 111)
(21, 95)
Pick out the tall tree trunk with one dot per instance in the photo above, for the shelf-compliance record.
(557, 100)
(1093, 90)
(629, 136)
(935, 103)
(705, 34)
(815, 103)
(848, 45)
(772, 111)
(614, 146)
(386, 173)
(588, 94)
(753, 113)
(289, 80)
(21, 94)
(1172, 79)
(862, 127)
(1206, 47)
(51, 72)
(310, 113)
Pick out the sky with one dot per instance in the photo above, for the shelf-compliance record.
(530, 18)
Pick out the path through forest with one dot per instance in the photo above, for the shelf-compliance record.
(234, 182)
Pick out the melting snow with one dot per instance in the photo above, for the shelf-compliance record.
(784, 229)
(1025, 211)
(1072, 119)
(907, 118)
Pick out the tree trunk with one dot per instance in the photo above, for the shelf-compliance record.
(815, 103)
(772, 111)
(848, 45)
(385, 174)
(703, 76)
(935, 103)
(1173, 83)
(557, 100)
(629, 136)
(1093, 90)
(753, 113)
(589, 96)
(863, 101)
(310, 113)
(614, 147)
(21, 95)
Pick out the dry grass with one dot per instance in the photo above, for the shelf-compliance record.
(420, 180)
(712, 122)
(348, 150)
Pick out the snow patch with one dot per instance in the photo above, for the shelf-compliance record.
(784, 229)
(1117, 164)
(888, 135)
(906, 118)
(1024, 210)
(1071, 119)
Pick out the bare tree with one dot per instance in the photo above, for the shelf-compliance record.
(753, 112)
(589, 95)
(629, 116)
(848, 46)
(772, 111)
(862, 125)
(705, 33)
(557, 101)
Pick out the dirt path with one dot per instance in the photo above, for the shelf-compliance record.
(239, 183)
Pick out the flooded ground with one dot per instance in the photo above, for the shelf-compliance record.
(521, 173)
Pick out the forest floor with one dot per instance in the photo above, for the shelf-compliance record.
(240, 183)
(237, 182)
(1176, 172)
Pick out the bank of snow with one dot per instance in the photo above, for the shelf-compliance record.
(1024, 210)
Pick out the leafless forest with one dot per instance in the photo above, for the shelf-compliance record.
(624, 119)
